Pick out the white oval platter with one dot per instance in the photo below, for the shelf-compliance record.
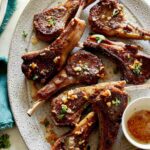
(19, 88)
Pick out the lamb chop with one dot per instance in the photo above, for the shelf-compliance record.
(50, 23)
(109, 106)
(43, 64)
(133, 64)
(67, 108)
(109, 101)
(82, 68)
(78, 138)
(108, 18)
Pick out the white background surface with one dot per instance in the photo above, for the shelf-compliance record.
(5, 39)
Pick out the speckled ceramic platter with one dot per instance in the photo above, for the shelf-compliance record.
(20, 91)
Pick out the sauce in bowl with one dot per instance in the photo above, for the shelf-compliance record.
(139, 126)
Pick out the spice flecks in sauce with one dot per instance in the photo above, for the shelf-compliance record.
(139, 126)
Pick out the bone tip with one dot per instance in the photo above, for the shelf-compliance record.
(30, 112)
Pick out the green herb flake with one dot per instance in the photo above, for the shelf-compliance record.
(24, 34)
(116, 102)
(99, 38)
(85, 67)
(60, 117)
(85, 106)
(115, 12)
(52, 142)
(52, 21)
(26, 49)
(4, 141)
(35, 78)
(129, 99)
(64, 109)
(137, 69)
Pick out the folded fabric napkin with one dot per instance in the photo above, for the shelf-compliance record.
(6, 118)
(11, 6)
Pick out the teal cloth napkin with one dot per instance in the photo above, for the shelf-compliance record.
(6, 118)
(11, 6)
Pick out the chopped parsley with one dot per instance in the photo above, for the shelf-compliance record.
(99, 38)
(52, 21)
(63, 111)
(115, 12)
(85, 105)
(24, 34)
(4, 141)
(116, 102)
(61, 116)
(35, 78)
(137, 69)
(26, 49)
(85, 67)
(129, 99)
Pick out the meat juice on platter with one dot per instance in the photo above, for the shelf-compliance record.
(111, 76)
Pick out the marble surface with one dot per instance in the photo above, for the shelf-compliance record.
(17, 142)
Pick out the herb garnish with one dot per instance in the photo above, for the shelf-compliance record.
(4, 141)
(52, 21)
(137, 69)
(26, 49)
(99, 38)
(35, 78)
(129, 99)
(85, 105)
(61, 116)
(115, 12)
(63, 111)
(116, 102)
(24, 34)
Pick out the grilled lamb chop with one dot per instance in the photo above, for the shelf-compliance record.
(133, 64)
(107, 17)
(67, 108)
(43, 64)
(110, 105)
(50, 23)
(78, 138)
(82, 68)
(109, 101)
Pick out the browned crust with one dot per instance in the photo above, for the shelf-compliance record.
(82, 68)
(78, 137)
(107, 17)
(124, 55)
(109, 114)
(52, 58)
(60, 16)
